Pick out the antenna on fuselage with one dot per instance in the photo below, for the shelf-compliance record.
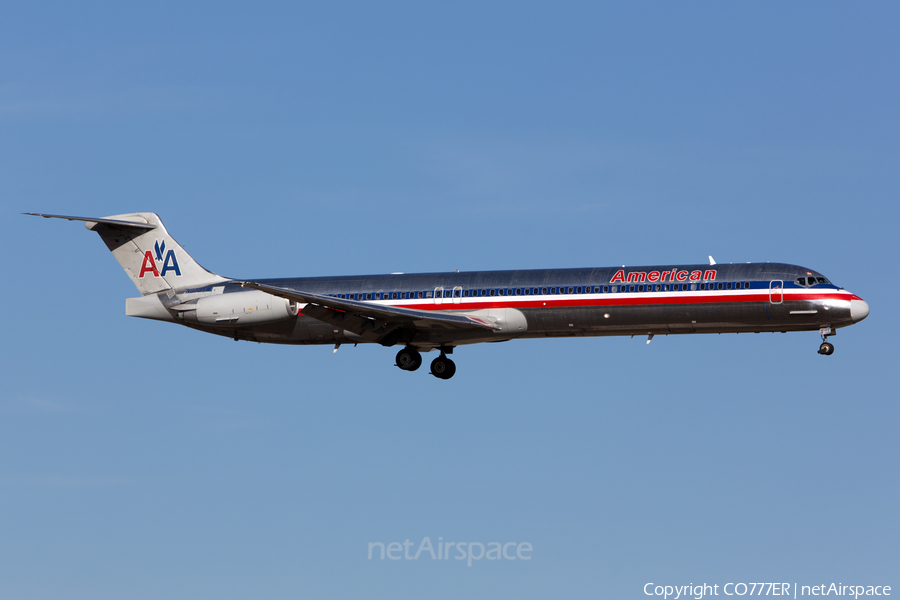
(712, 261)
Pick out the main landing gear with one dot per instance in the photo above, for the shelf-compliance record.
(826, 348)
(409, 359)
(442, 367)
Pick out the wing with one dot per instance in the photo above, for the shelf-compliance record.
(383, 324)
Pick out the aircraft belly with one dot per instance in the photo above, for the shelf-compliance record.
(683, 318)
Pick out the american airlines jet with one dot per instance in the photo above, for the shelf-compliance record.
(440, 311)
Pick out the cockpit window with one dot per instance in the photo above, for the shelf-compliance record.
(811, 281)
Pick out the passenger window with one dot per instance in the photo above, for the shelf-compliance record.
(605, 289)
(544, 291)
(693, 287)
(578, 290)
(721, 286)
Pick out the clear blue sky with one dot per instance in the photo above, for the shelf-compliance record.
(143, 460)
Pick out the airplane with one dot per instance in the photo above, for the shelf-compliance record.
(440, 311)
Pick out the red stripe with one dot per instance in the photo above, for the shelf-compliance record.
(612, 300)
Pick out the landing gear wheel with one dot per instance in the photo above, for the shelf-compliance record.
(826, 349)
(442, 367)
(409, 359)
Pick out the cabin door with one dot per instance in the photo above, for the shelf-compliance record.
(776, 292)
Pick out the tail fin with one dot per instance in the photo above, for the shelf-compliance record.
(153, 260)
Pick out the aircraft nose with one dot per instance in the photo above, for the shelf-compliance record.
(859, 310)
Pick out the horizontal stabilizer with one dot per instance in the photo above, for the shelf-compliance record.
(87, 220)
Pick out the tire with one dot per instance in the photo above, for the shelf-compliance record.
(409, 359)
(443, 368)
(826, 349)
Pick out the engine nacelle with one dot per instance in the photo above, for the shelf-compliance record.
(243, 308)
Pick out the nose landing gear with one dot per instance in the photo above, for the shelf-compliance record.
(826, 348)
